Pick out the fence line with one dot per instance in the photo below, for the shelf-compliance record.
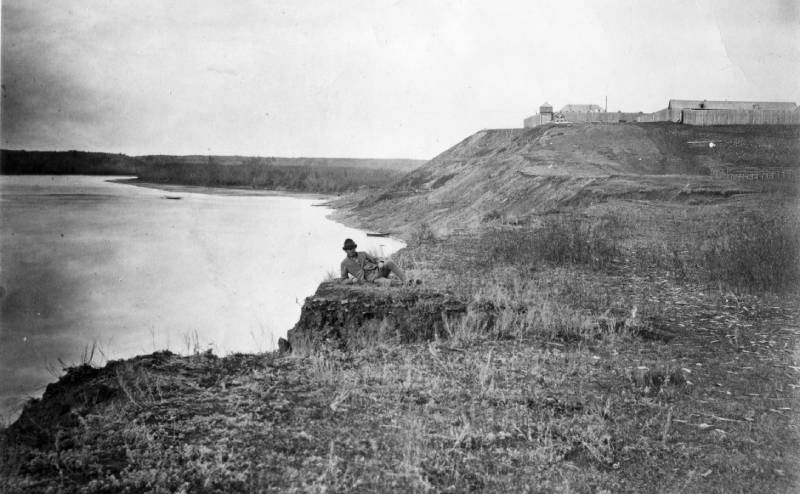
(584, 117)
(665, 115)
(754, 173)
(741, 117)
(724, 117)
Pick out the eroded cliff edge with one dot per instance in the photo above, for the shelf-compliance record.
(344, 315)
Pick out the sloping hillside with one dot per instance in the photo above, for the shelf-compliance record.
(514, 174)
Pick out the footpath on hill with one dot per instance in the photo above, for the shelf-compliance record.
(626, 333)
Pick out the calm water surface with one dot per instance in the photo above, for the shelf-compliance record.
(85, 262)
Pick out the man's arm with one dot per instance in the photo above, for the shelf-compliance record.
(348, 269)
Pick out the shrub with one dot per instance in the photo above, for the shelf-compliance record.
(422, 234)
(492, 215)
(752, 254)
(562, 241)
(592, 242)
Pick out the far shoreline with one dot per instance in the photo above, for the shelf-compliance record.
(231, 190)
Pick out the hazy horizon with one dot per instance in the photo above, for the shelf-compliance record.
(356, 79)
(219, 155)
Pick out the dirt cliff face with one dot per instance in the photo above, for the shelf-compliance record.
(344, 315)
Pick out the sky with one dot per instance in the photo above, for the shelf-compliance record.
(366, 78)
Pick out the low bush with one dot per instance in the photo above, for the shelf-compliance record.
(589, 241)
(752, 254)
(745, 255)
(422, 234)
(592, 242)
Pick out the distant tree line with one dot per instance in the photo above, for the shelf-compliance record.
(324, 175)
(402, 165)
(66, 163)
(265, 173)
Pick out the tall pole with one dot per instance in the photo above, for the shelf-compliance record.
(606, 110)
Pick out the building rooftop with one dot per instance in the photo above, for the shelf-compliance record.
(581, 108)
(677, 104)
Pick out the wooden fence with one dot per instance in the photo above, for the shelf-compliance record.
(602, 117)
(665, 115)
(724, 117)
(584, 117)
(741, 117)
(536, 120)
(686, 116)
(755, 173)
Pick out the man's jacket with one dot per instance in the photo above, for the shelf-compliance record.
(363, 267)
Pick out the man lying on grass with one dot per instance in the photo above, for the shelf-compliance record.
(364, 267)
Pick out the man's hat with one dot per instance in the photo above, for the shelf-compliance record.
(349, 244)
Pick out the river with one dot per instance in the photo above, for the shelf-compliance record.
(88, 263)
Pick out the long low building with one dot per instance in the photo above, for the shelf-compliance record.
(691, 104)
(710, 112)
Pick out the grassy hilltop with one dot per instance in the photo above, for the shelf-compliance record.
(617, 312)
